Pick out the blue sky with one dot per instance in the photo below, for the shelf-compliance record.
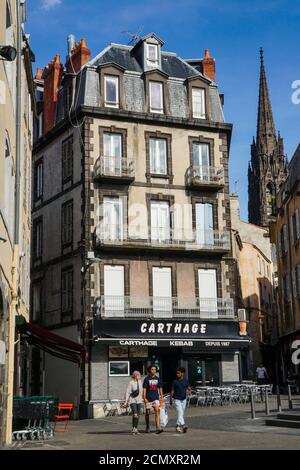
(233, 30)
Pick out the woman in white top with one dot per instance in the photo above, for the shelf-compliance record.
(134, 398)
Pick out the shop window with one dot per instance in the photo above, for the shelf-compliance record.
(137, 365)
(119, 368)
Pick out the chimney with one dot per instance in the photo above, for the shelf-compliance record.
(38, 75)
(208, 65)
(52, 77)
(79, 56)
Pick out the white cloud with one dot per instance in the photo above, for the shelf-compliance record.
(47, 4)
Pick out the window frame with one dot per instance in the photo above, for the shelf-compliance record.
(150, 61)
(37, 241)
(156, 173)
(161, 87)
(37, 283)
(118, 362)
(116, 79)
(69, 224)
(38, 180)
(203, 102)
(67, 156)
(68, 271)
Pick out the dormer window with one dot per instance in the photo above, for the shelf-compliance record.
(152, 55)
(111, 91)
(156, 97)
(198, 103)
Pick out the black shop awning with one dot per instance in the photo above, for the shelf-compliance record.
(50, 342)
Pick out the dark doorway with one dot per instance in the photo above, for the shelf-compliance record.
(167, 362)
(204, 370)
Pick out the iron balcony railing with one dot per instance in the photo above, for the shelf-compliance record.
(205, 175)
(114, 167)
(164, 307)
(109, 234)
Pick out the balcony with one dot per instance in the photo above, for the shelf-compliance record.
(161, 238)
(208, 177)
(114, 169)
(164, 307)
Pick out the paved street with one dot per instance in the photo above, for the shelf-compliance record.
(221, 428)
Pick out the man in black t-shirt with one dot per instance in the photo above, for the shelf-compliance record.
(180, 388)
(152, 388)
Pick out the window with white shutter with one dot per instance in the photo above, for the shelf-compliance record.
(160, 222)
(162, 292)
(158, 156)
(198, 103)
(111, 91)
(156, 97)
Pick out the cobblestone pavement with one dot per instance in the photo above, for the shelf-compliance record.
(228, 427)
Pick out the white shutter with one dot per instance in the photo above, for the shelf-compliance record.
(297, 224)
(158, 156)
(160, 221)
(114, 291)
(198, 102)
(208, 293)
(204, 224)
(112, 218)
(162, 292)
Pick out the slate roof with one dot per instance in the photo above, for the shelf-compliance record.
(172, 65)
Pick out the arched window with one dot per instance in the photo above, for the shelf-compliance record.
(9, 186)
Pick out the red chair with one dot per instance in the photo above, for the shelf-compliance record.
(62, 418)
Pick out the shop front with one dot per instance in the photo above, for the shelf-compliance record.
(210, 351)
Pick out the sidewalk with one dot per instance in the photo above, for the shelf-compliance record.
(229, 427)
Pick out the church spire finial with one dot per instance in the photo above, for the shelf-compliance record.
(261, 52)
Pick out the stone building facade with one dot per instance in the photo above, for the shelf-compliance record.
(15, 209)
(134, 258)
(285, 232)
(256, 268)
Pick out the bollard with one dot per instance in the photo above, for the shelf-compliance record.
(252, 406)
(278, 400)
(290, 398)
(267, 409)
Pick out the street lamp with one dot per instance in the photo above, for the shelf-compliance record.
(8, 53)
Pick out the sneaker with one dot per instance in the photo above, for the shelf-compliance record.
(159, 431)
(133, 431)
(147, 429)
(185, 428)
(178, 429)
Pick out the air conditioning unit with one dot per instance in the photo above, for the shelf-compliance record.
(242, 314)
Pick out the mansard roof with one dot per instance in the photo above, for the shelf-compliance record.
(171, 63)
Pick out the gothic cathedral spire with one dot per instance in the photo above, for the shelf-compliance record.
(268, 164)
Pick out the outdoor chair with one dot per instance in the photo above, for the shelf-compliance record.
(62, 418)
